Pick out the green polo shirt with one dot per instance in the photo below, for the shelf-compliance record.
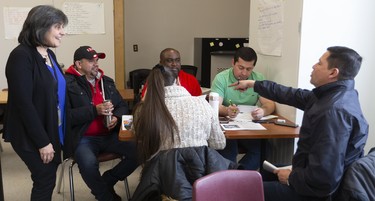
(225, 78)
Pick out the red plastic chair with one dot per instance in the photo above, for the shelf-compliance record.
(239, 185)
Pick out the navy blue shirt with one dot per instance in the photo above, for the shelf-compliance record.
(332, 135)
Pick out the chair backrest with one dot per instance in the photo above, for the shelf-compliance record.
(138, 77)
(190, 69)
(239, 185)
(358, 182)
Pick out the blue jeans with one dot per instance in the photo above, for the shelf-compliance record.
(85, 156)
(251, 159)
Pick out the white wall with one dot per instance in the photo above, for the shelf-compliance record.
(283, 69)
(323, 24)
(351, 24)
(155, 25)
(100, 42)
(7, 45)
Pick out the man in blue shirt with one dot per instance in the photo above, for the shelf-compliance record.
(333, 132)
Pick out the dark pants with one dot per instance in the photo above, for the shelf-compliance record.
(275, 191)
(86, 158)
(251, 159)
(43, 175)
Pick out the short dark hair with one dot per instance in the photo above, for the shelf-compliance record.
(162, 53)
(346, 60)
(38, 22)
(247, 54)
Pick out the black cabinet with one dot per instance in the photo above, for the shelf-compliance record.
(205, 47)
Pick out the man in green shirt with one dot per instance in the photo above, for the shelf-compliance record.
(243, 64)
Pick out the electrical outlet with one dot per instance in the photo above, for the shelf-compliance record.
(135, 48)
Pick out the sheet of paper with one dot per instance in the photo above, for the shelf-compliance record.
(246, 108)
(270, 167)
(84, 17)
(243, 117)
(244, 120)
(235, 125)
(245, 114)
(14, 17)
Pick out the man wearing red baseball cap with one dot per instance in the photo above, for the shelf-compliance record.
(88, 134)
(86, 52)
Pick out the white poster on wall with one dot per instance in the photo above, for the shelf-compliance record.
(84, 18)
(14, 17)
(270, 27)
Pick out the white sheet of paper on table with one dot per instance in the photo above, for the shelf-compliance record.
(236, 125)
(245, 114)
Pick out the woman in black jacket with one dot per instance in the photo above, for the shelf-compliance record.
(34, 120)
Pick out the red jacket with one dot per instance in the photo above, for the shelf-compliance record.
(96, 126)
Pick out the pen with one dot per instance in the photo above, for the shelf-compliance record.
(231, 104)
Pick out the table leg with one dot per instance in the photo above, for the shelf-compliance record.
(263, 153)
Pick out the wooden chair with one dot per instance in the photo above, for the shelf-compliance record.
(239, 185)
(103, 157)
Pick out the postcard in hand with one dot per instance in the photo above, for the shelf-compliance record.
(127, 121)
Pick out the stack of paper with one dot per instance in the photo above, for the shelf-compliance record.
(244, 120)
(245, 114)
(242, 125)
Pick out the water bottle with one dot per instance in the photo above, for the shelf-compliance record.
(214, 102)
(107, 118)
